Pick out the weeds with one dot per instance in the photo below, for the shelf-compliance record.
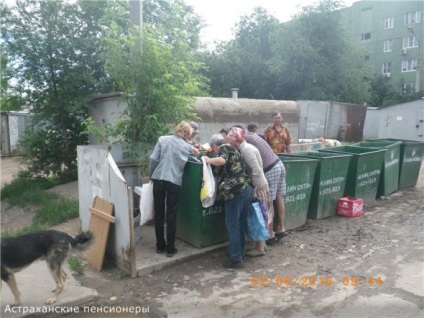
(76, 264)
(25, 230)
(51, 209)
(57, 211)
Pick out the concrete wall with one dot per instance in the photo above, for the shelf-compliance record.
(306, 119)
(214, 113)
(218, 113)
(100, 175)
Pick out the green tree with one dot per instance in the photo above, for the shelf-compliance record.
(242, 62)
(10, 99)
(316, 58)
(222, 69)
(157, 69)
(382, 92)
(53, 46)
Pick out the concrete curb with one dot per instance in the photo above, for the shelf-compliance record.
(36, 284)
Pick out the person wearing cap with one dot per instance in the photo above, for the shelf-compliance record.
(195, 127)
(223, 132)
(251, 156)
(278, 136)
(235, 190)
(195, 134)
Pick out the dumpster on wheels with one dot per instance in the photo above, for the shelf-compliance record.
(364, 171)
(300, 173)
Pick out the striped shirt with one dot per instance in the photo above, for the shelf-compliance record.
(269, 158)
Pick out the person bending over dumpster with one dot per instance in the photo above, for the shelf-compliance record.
(251, 156)
(167, 163)
(235, 190)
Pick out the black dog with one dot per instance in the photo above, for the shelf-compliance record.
(53, 246)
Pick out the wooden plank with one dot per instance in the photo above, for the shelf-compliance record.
(102, 215)
(99, 225)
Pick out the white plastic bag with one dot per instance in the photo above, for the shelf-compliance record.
(207, 191)
(146, 203)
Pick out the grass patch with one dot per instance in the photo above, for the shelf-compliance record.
(51, 209)
(30, 196)
(25, 185)
(25, 230)
(76, 264)
(57, 211)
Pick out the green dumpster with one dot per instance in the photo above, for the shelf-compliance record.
(196, 225)
(364, 171)
(300, 173)
(329, 183)
(389, 180)
(411, 155)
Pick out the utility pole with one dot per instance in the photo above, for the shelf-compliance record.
(136, 12)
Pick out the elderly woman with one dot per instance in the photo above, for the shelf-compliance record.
(251, 156)
(167, 163)
(235, 189)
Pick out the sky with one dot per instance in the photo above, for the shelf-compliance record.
(221, 15)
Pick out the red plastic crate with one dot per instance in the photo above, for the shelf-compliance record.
(350, 207)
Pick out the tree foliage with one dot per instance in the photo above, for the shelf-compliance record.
(10, 99)
(157, 69)
(242, 62)
(52, 45)
(315, 58)
(382, 92)
(310, 57)
(64, 52)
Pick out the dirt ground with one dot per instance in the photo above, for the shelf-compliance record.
(386, 243)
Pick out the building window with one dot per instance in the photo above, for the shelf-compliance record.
(389, 23)
(409, 65)
(387, 68)
(408, 89)
(413, 17)
(366, 57)
(388, 46)
(365, 36)
(409, 42)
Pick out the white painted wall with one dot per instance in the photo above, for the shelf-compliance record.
(99, 175)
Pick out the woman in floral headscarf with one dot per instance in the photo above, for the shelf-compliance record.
(235, 189)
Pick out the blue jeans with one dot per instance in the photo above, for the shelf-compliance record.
(235, 219)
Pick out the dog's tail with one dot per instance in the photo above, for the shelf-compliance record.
(82, 240)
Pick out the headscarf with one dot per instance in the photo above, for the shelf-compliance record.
(239, 134)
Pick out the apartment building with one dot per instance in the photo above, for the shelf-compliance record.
(392, 33)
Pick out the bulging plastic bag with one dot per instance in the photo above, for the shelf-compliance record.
(256, 229)
(147, 209)
(207, 191)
